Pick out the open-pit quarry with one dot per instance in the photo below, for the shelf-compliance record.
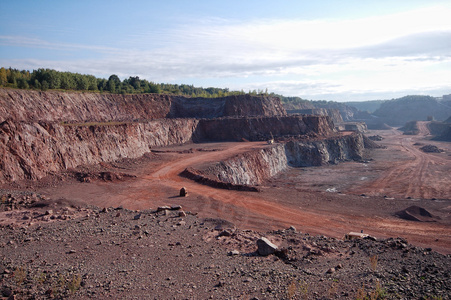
(242, 160)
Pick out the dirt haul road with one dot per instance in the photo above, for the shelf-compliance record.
(158, 183)
(258, 211)
(422, 175)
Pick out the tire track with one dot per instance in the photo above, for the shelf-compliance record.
(420, 176)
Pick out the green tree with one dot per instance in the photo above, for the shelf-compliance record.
(44, 85)
(37, 84)
(3, 77)
(92, 82)
(67, 81)
(22, 83)
(82, 82)
(11, 75)
(113, 83)
(53, 78)
(154, 88)
(101, 84)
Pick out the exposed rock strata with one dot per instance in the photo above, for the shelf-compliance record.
(26, 105)
(254, 167)
(328, 151)
(334, 114)
(42, 132)
(232, 106)
(250, 168)
(32, 150)
(260, 128)
(441, 130)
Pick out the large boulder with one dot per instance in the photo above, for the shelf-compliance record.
(265, 247)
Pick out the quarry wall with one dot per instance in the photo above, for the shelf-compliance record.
(260, 128)
(52, 106)
(256, 166)
(334, 114)
(32, 150)
(45, 132)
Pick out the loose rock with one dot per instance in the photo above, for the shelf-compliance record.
(265, 247)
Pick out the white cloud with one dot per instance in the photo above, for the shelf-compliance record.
(405, 51)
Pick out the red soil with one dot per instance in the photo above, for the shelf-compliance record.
(401, 170)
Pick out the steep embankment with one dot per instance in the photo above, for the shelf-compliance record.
(25, 105)
(259, 128)
(42, 132)
(328, 151)
(441, 130)
(32, 150)
(232, 106)
(254, 167)
(334, 114)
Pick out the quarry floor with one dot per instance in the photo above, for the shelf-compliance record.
(329, 200)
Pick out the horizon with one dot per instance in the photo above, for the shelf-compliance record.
(347, 51)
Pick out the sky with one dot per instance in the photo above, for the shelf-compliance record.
(319, 50)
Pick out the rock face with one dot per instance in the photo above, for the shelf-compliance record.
(25, 105)
(410, 128)
(42, 132)
(333, 113)
(31, 150)
(250, 168)
(441, 130)
(259, 128)
(328, 151)
(254, 167)
(232, 106)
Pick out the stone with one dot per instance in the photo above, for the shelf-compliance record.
(162, 208)
(182, 214)
(233, 253)
(183, 192)
(265, 247)
(137, 217)
(176, 207)
(7, 292)
(226, 232)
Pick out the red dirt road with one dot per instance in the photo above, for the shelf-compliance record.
(422, 175)
(279, 205)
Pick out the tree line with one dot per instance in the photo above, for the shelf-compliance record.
(49, 79)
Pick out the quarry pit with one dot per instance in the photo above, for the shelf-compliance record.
(322, 181)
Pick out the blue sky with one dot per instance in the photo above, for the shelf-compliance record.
(333, 50)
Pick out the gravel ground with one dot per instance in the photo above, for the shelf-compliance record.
(62, 250)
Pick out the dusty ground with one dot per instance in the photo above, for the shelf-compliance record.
(66, 249)
(123, 254)
(331, 200)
